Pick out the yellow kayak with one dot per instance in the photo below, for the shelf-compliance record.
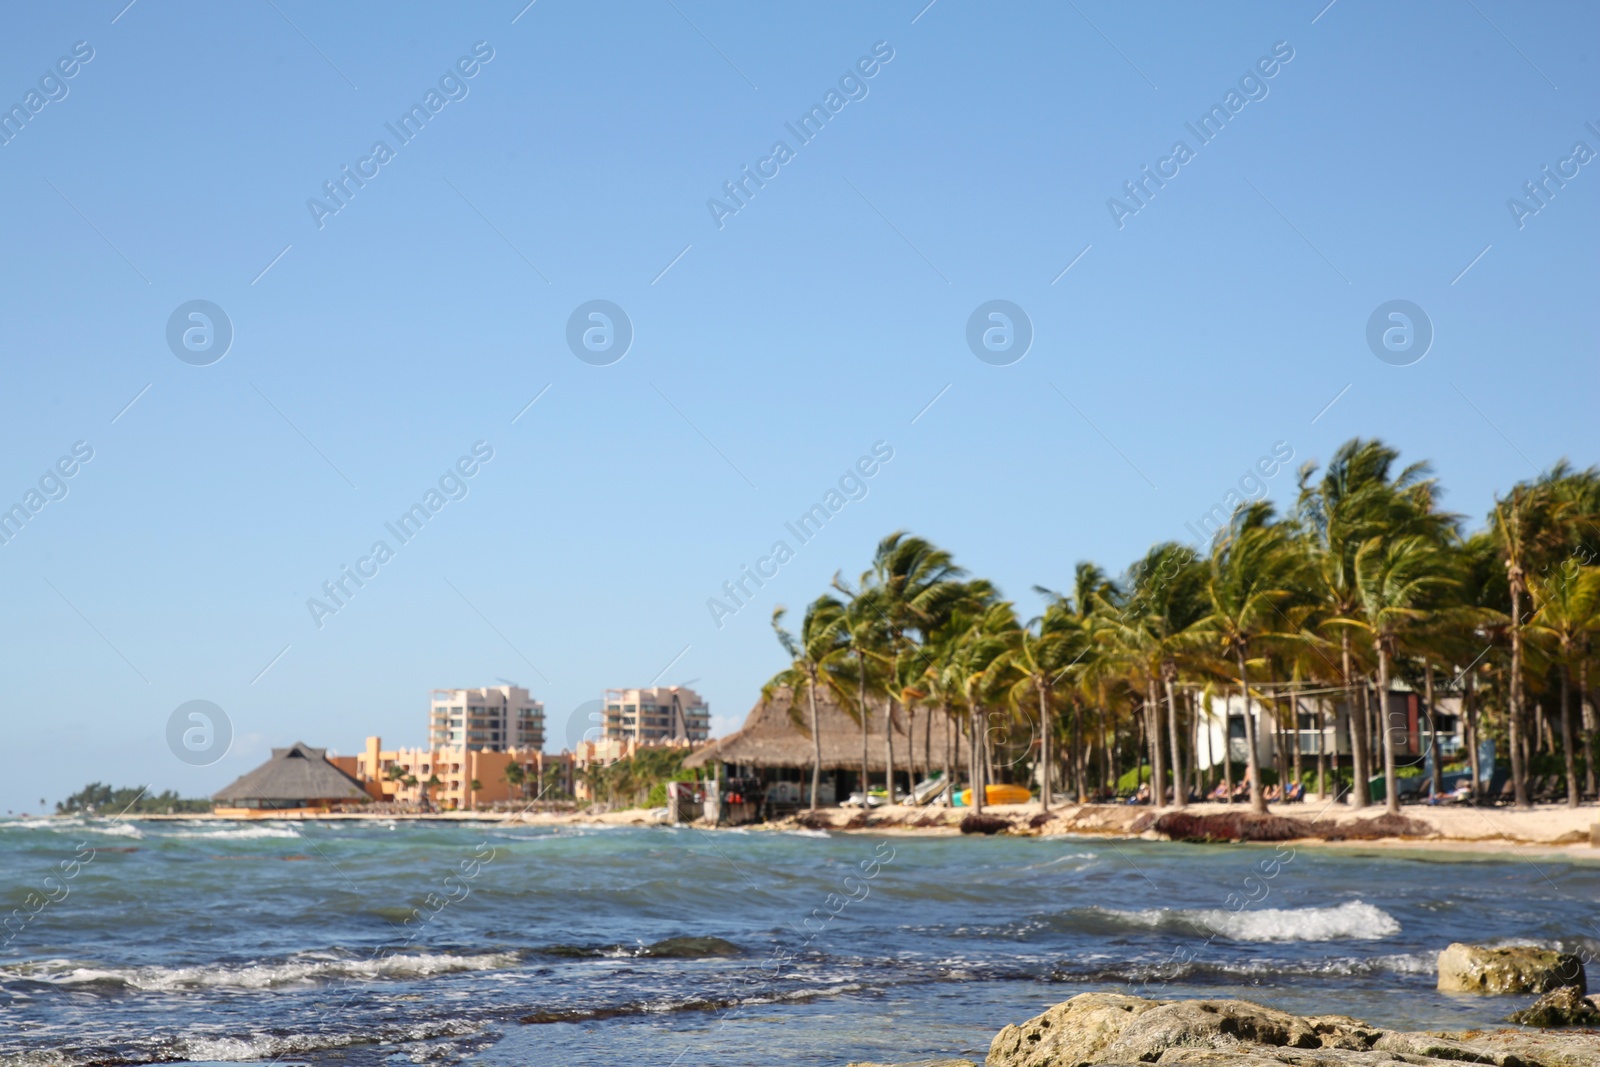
(998, 794)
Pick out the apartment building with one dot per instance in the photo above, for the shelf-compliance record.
(656, 715)
(453, 777)
(491, 719)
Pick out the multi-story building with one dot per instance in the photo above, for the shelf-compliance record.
(656, 715)
(453, 777)
(485, 720)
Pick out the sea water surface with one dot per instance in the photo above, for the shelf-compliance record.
(359, 943)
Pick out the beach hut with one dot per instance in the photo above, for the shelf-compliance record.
(297, 780)
(775, 746)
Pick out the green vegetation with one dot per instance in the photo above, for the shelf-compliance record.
(641, 779)
(1364, 587)
(102, 799)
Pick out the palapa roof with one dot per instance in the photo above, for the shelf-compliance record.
(769, 738)
(298, 772)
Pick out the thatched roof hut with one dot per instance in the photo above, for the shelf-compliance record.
(295, 777)
(771, 738)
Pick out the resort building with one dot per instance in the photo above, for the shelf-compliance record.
(458, 778)
(1322, 724)
(492, 719)
(772, 748)
(297, 780)
(655, 715)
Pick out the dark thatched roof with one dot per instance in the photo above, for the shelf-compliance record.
(298, 772)
(769, 738)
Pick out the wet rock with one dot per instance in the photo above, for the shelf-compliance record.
(1519, 969)
(1566, 1006)
(1109, 1030)
(984, 824)
(917, 1063)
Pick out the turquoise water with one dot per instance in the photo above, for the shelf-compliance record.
(356, 943)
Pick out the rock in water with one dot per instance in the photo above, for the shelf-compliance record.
(1113, 1028)
(1566, 1006)
(1106, 1029)
(1520, 969)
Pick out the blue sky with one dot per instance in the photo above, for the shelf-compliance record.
(371, 352)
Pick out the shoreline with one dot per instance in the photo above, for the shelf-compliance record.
(1552, 830)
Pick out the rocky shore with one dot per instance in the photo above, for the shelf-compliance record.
(1113, 1029)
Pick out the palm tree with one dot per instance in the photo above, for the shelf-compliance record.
(911, 587)
(1037, 652)
(1252, 572)
(972, 670)
(516, 777)
(1400, 581)
(1567, 614)
(1355, 498)
(814, 660)
(862, 627)
(1152, 631)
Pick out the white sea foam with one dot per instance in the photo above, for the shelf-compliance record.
(237, 832)
(265, 975)
(1353, 920)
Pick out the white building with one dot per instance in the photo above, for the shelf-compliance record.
(661, 713)
(485, 720)
(1407, 717)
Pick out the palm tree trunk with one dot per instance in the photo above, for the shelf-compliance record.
(861, 698)
(1360, 768)
(1194, 747)
(1158, 759)
(978, 792)
(1469, 706)
(1588, 725)
(1080, 754)
(1391, 784)
(1258, 802)
(1044, 744)
(816, 741)
(1322, 748)
(1292, 738)
(888, 748)
(949, 755)
(1433, 727)
(1227, 742)
(1519, 772)
(1179, 786)
(1566, 736)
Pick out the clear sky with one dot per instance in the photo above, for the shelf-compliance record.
(1199, 326)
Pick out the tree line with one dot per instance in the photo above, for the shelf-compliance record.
(1363, 583)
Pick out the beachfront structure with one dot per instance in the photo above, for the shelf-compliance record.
(657, 714)
(1323, 725)
(456, 777)
(491, 719)
(298, 779)
(775, 746)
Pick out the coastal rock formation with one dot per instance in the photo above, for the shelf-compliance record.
(1566, 1006)
(1518, 969)
(1109, 1028)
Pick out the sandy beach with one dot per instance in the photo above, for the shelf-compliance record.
(1545, 830)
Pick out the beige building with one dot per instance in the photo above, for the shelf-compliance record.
(492, 719)
(656, 715)
(466, 778)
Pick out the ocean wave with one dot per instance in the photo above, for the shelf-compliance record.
(684, 1004)
(1353, 920)
(236, 832)
(255, 975)
(1203, 971)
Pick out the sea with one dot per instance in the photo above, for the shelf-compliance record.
(372, 942)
